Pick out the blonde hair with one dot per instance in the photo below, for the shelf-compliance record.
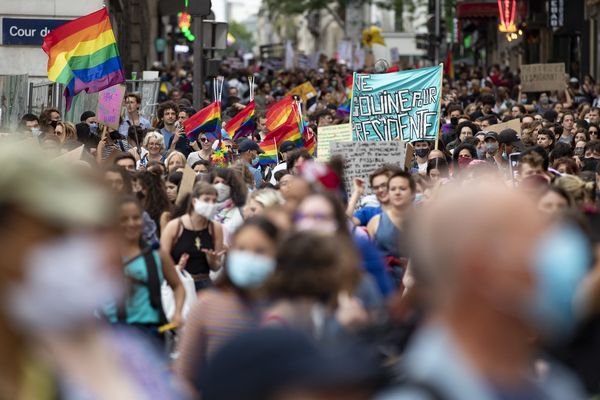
(69, 130)
(267, 197)
(576, 187)
(174, 154)
(156, 136)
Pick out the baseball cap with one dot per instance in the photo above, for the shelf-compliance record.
(286, 146)
(492, 135)
(508, 136)
(56, 191)
(247, 145)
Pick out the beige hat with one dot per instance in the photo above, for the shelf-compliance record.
(55, 190)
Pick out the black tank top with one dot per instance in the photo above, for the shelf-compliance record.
(192, 243)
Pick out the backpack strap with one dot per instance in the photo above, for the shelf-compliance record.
(154, 285)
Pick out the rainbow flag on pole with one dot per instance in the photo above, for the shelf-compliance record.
(291, 130)
(83, 55)
(243, 123)
(279, 113)
(207, 120)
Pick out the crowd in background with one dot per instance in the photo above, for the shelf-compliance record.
(467, 272)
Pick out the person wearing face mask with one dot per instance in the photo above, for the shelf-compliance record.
(521, 281)
(422, 149)
(463, 155)
(30, 123)
(386, 229)
(248, 152)
(492, 149)
(59, 265)
(228, 309)
(231, 198)
(196, 236)
(591, 155)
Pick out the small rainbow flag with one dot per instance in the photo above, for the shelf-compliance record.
(243, 123)
(207, 120)
(344, 109)
(83, 55)
(291, 131)
(279, 113)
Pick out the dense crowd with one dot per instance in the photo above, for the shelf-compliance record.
(146, 265)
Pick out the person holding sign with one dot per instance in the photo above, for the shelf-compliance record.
(378, 182)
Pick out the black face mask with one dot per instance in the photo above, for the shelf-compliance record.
(454, 121)
(590, 164)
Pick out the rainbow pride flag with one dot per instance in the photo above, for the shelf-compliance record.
(244, 123)
(291, 130)
(207, 120)
(83, 55)
(279, 113)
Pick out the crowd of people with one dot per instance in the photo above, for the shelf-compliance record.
(146, 266)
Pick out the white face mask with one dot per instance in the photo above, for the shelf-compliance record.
(65, 281)
(207, 210)
(223, 191)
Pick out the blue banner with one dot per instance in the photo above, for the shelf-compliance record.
(28, 31)
(397, 106)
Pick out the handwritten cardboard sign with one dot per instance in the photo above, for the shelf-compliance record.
(512, 124)
(542, 77)
(329, 134)
(363, 158)
(109, 106)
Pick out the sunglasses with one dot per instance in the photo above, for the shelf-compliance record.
(203, 140)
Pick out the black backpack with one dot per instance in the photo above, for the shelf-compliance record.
(153, 284)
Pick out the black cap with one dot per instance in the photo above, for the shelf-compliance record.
(492, 135)
(256, 364)
(286, 146)
(508, 136)
(247, 145)
(86, 115)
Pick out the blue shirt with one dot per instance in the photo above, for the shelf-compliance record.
(138, 308)
(258, 179)
(365, 214)
(124, 127)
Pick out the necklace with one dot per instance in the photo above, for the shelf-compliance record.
(197, 241)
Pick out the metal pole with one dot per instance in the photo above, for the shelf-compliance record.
(198, 63)
(436, 60)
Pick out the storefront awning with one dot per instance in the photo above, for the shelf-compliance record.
(477, 10)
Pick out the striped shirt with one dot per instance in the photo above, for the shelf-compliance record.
(217, 316)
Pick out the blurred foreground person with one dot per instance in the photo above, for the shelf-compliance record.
(229, 308)
(60, 263)
(282, 364)
(492, 284)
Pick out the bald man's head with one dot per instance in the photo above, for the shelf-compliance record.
(464, 242)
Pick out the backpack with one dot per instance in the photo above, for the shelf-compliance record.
(153, 285)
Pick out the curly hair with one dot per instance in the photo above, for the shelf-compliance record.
(315, 266)
(155, 200)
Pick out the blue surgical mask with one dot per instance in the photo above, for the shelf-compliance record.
(94, 127)
(36, 132)
(255, 161)
(247, 269)
(418, 198)
(481, 153)
(561, 260)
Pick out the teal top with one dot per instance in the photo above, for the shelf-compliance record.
(138, 307)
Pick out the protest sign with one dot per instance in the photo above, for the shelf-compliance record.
(306, 91)
(397, 106)
(542, 77)
(330, 134)
(187, 184)
(109, 106)
(512, 124)
(363, 158)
